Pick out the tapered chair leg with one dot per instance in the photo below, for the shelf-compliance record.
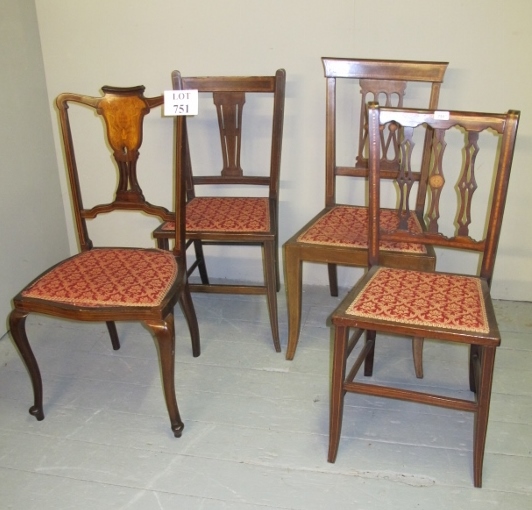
(333, 279)
(164, 334)
(17, 325)
(417, 351)
(337, 390)
(487, 362)
(270, 278)
(200, 259)
(187, 306)
(293, 270)
(370, 356)
(473, 359)
(113, 333)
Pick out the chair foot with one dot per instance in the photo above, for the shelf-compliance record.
(178, 429)
(37, 412)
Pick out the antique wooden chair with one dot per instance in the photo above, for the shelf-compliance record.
(115, 284)
(452, 308)
(229, 212)
(338, 233)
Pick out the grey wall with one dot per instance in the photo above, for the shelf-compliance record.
(33, 231)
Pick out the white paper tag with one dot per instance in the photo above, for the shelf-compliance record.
(440, 115)
(180, 102)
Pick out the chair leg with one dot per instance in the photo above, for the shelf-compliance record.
(200, 259)
(163, 244)
(333, 279)
(187, 306)
(417, 351)
(487, 362)
(268, 261)
(164, 334)
(337, 390)
(17, 325)
(277, 269)
(473, 358)
(368, 361)
(292, 277)
(113, 333)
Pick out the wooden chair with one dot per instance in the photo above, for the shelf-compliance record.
(449, 307)
(115, 284)
(338, 233)
(213, 217)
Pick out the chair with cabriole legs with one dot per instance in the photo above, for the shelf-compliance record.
(114, 284)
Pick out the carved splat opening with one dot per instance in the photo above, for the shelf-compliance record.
(467, 184)
(229, 106)
(390, 94)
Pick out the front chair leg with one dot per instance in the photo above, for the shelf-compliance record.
(164, 334)
(336, 410)
(485, 380)
(268, 261)
(17, 325)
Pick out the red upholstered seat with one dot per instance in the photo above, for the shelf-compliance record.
(226, 214)
(348, 226)
(441, 300)
(108, 277)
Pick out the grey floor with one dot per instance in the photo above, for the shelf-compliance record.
(255, 424)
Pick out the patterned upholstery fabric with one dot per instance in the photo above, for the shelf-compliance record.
(418, 298)
(348, 226)
(109, 277)
(226, 214)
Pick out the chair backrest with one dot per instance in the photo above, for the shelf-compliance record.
(383, 81)
(229, 96)
(123, 111)
(463, 153)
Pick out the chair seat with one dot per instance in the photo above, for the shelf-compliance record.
(226, 214)
(438, 300)
(108, 277)
(348, 226)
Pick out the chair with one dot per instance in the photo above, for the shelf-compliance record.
(219, 217)
(452, 308)
(114, 284)
(338, 233)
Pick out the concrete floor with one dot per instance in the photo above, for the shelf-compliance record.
(256, 425)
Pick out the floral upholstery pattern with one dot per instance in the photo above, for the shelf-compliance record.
(419, 298)
(348, 226)
(109, 277)
(226, 214)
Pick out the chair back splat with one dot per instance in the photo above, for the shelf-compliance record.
(469, 161)
(115, 284)
(240, 204)
(338, 234)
